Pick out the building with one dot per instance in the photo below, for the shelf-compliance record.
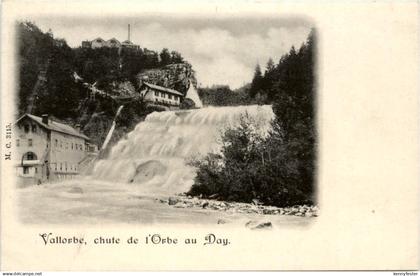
(160, 95)
(98, 43)
(48, 150)
(129, 45)
(86, 44)
(113, 43)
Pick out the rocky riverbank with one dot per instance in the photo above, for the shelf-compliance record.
(238, 207)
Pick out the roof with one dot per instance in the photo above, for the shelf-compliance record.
(127, 42)
(55, 126)
(99, 38)
(113, 40)
(161, 88)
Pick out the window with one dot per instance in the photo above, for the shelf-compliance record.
(26, 127)
(61, 144)
(36, 170)
(25, 170)
(17, 142)
(71, 145)
(156, 93)
(30, 156)
(34, 128)
(55, 166)
(163, 95)
(29, 142)
(170, 96)
(61, 166)
(176, 98)
(56, 143)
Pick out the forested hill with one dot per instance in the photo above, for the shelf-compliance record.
(53, 77)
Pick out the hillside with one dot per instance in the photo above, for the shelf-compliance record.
(58, 80)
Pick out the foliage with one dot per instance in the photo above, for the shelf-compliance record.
(279, 169)
(222, 95)
(47, 65)
(165, 57)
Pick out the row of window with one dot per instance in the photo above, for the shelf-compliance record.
(67, 145)
(163, 102)
(65, 167)
(163, 95)
(73, 146)
(58, 166)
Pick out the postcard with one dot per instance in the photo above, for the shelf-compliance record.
(209, 135)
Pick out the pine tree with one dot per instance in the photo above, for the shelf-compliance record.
(165, 57)
(270, 66)
(256, 81)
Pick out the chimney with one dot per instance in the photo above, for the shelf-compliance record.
(45, 118)
(129, 32)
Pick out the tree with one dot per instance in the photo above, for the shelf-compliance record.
(278, 170)
(176, 57)
(165, 57)
(270, 66)
(256, 83)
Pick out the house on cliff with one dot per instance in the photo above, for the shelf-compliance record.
(160, 95)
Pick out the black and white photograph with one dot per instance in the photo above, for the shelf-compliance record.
(166, 119)
(210, 135)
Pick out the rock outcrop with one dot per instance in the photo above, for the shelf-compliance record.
(175, 76)
(239, 207)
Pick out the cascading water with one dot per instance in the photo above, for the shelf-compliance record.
(154, 154)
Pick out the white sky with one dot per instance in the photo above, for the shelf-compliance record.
(221, 51)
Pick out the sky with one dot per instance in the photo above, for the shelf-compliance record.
(222, 51)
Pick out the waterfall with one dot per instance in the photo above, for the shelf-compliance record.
(153, 156)
(111, 130)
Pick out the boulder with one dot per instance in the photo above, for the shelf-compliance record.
(213, 196)
(180, 205)
(251, 223)
(173, 201)
(76, 190)
(263, 225)
(205, 204)
(256, 202)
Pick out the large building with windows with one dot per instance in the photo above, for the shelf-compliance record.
(47, 150)
(111, 43)
(160, 95)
